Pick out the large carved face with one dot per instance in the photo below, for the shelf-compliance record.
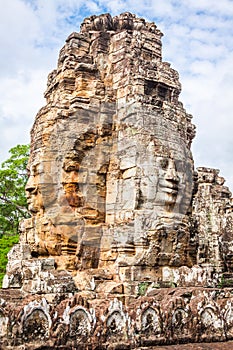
(129, 178)
(154, 173)
(133, 169)
(41, 187)
(174, 187)
(168, 180)
(149, 187)
(33, 191)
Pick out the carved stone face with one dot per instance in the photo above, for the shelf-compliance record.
(168, 181)
(130, 178)
(113, 154)
(174, 188)
(33, 192)
(155, 177)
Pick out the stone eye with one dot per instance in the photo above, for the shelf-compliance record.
(164, 163)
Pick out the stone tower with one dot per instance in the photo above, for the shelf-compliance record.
(117, 210)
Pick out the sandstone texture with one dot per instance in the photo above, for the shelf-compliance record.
(128, 246)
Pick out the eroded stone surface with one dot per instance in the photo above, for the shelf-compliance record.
(119, 216)
(111, 169)
(112, 320)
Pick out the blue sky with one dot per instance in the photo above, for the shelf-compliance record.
(198, 42)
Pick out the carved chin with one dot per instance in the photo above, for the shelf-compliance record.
(33, 207)
(170, 199)
(167, 196)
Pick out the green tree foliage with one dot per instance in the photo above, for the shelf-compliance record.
(6, 243)
(13, 204)
(13, 178)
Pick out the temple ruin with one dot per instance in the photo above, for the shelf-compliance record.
(128, 245)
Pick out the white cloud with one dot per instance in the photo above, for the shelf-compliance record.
(223, 7)
(92, 6)
(198, 42)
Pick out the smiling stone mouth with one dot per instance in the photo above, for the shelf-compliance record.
(171, 188)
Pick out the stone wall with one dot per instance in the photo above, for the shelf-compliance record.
(147, 317)
(127, 245)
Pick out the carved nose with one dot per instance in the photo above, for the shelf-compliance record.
(31, 186)
(171, 174)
